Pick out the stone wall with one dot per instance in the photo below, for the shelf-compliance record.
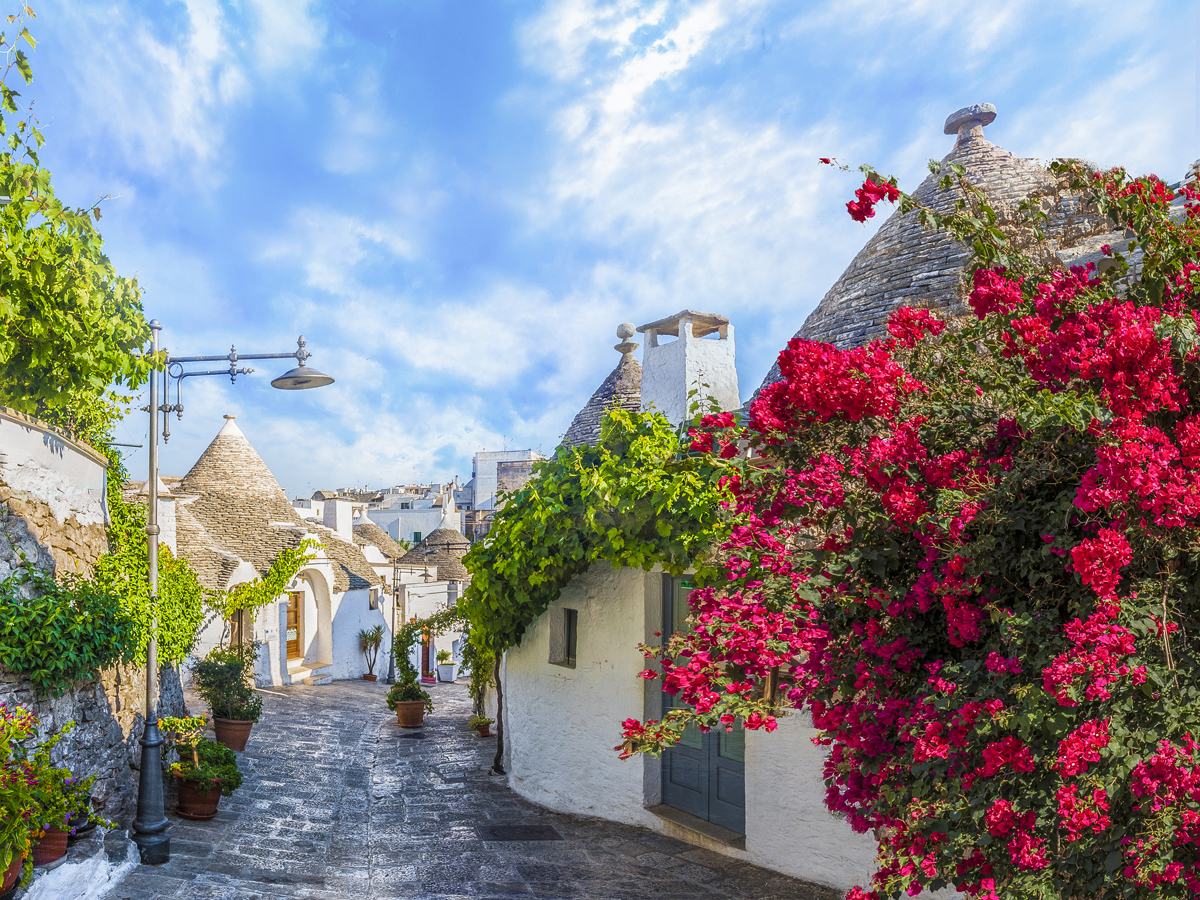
(108, 715)
(53, 517)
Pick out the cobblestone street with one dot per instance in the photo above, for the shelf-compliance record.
(339, 803)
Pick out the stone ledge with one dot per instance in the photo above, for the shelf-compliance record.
(694, 830)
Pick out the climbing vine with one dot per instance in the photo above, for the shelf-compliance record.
(633, 499)
(122, 573)
(415, 630)
(253, 595)
(59, 633)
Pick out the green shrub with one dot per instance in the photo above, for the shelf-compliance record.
(407, 692)
(222, 680)
(201, 762)
(63, 633)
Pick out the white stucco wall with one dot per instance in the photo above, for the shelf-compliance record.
(787, 826)
(560, 724)
(68, 477)
(353, 614)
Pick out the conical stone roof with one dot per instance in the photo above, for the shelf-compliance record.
(444, 548)
(233, 508)
(904, 264)
(622, 388)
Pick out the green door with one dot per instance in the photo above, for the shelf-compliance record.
(704, 774)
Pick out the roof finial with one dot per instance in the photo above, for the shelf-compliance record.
(625, 332)
(968, 122)
(230, 418)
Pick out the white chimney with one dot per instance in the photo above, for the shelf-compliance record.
(338, 516)
(692, 362)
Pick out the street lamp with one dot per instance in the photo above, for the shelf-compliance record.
(150, 825)
(391, 675)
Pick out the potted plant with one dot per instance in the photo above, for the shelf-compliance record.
(410, 703)
(447, 670)
(204, 770)
(18, 806)
(481, 724)
(428, 678)
(64, 802)
(369, 640)
(221, 679)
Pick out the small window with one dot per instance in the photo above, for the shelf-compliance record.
(564, 629)
(416, 537)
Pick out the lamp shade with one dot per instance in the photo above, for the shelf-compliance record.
(301, 378)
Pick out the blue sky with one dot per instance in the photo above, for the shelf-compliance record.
(457, 202)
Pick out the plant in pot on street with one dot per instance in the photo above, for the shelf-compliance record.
(222, 679)
(18, 805)
(369, 640)
(482, 724)
(409, 703)
(63, 801)
(447, 670)
(205, 770)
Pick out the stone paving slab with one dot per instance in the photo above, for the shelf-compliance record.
(340, 803)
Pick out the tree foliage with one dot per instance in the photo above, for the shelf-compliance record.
(971, 552)
(632, 500)
(70, 326)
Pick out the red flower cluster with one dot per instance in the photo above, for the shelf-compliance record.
(821, 382)
(866, 197)
(909, 326)
(953, 597)
(1081, 747)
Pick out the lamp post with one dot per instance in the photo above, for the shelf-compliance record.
(391, 675)
(150, 825)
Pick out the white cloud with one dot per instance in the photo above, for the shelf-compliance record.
(288, 35)
(357, 125)
(160, 96)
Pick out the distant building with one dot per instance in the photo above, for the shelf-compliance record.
(405, 513)
(492, 472)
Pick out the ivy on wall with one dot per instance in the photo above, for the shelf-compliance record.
(122, 573)
(254, 595)
(633, 500)
(56, 634)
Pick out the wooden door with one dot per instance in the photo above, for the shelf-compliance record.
(293, 625)
(704, 774)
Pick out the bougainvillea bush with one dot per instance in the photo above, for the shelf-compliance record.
(971, 552)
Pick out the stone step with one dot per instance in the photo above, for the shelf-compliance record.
(318, 679)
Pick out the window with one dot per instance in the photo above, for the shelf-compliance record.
(416, 537)
(564, 630)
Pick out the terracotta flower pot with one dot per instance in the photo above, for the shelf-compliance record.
(410, 713)
(233, 733)
(49, 847)
(370, 677)
(484, 730)
(194, 802)
(12, 873)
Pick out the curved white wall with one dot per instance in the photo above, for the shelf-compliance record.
(561, 724)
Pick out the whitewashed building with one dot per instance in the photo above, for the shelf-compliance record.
(232, 519)
(750, 795)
